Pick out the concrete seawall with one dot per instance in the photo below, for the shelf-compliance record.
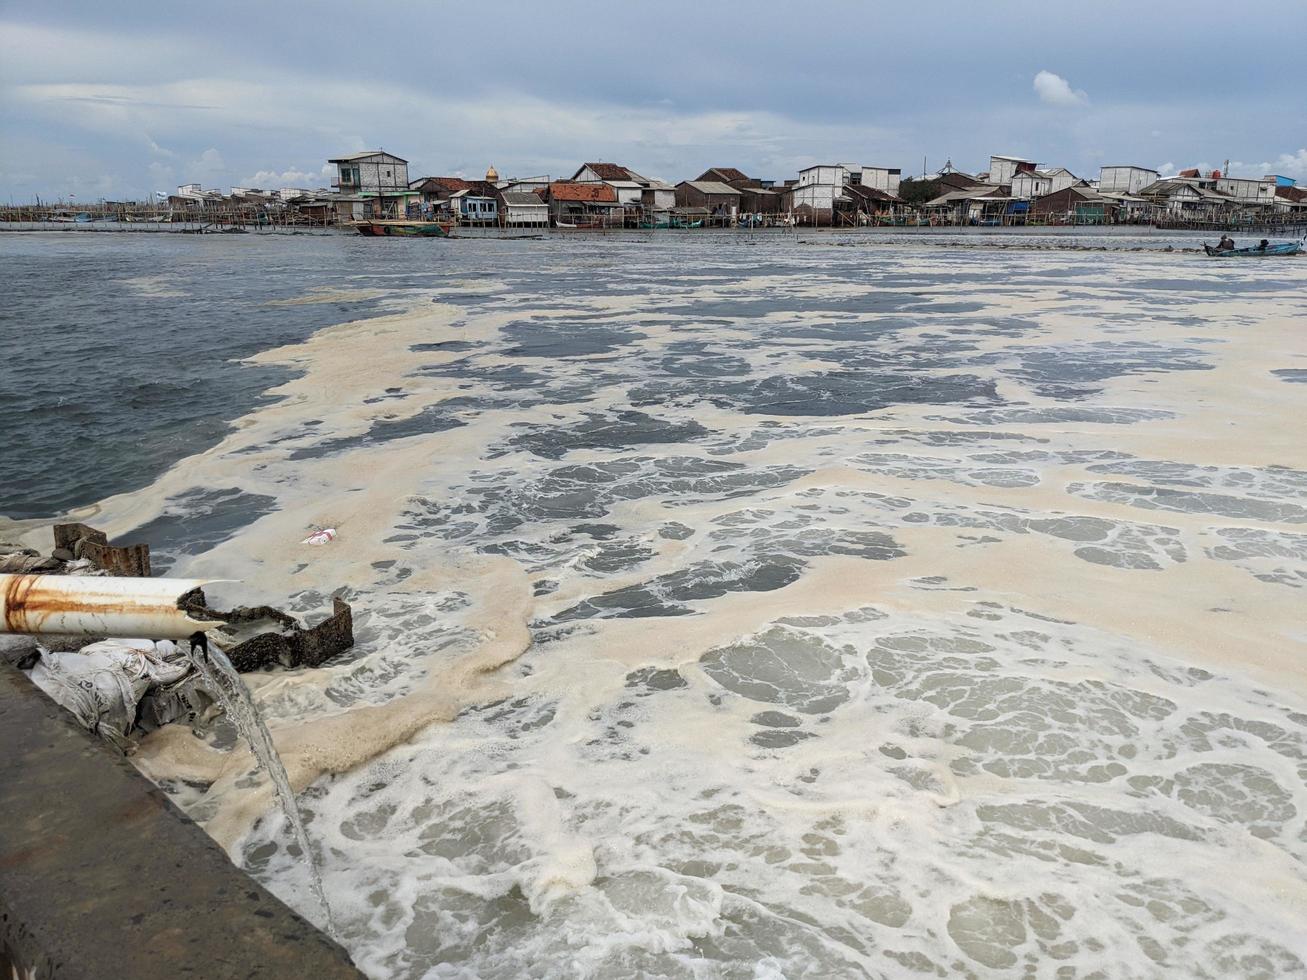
(102, 876)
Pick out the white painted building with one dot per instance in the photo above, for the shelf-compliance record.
(1030, 184)
(1003, 168)
(881, 178)
(1125, 179)
(658, 195)
(1248, 190)
(819, 186)
(523, 208)
(628, 191)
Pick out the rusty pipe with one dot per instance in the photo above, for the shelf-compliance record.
(98, 606)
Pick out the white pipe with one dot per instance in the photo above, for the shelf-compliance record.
(98, 606)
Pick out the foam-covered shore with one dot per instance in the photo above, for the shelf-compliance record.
(725, 612)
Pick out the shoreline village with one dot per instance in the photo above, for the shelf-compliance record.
(376, 194)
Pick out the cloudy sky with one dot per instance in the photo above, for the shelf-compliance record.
(118, 99)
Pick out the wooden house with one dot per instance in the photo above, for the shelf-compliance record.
(626, 183)
(603, 172)
(436, 193)
(1289, 197)
(861, 204)
(1188, 196)
(982, 204)
(726, 175)
(761, 200)
(582, 203)
(475, 206)
(720, 199)
(1077, 204)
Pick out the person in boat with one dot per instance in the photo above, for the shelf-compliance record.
(1263, 245)
(1226, 244)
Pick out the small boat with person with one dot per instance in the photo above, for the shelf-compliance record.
(1224, 249)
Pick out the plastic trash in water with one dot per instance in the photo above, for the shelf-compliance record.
(323, 535)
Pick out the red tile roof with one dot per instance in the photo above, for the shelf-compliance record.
(609, 171)
(596, 193)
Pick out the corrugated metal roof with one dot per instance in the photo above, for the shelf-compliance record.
(726, 173)
(522, 199)
(986, 194)
(710, 187)
(871, 193)
(364, 154)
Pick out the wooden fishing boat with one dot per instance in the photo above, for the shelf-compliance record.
(581, 225)
(388, 227)
(1287, 248)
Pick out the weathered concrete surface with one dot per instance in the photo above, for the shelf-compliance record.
(102, 876)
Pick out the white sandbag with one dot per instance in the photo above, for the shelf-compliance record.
(102, 683)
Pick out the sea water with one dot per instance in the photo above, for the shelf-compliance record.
(734, 606)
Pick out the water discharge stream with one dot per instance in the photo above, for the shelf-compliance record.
(221, 677)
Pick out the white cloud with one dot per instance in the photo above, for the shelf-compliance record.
(290, 177)
(162, 176)
(1286, 165)
(208, 166)
(1055, 90)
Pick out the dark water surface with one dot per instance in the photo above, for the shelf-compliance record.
(122, 352)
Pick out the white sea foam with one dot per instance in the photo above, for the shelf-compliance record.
(992, 669)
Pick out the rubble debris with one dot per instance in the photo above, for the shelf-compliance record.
(291, 645)
(26, 560)
(83, 541)
(78, 550)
